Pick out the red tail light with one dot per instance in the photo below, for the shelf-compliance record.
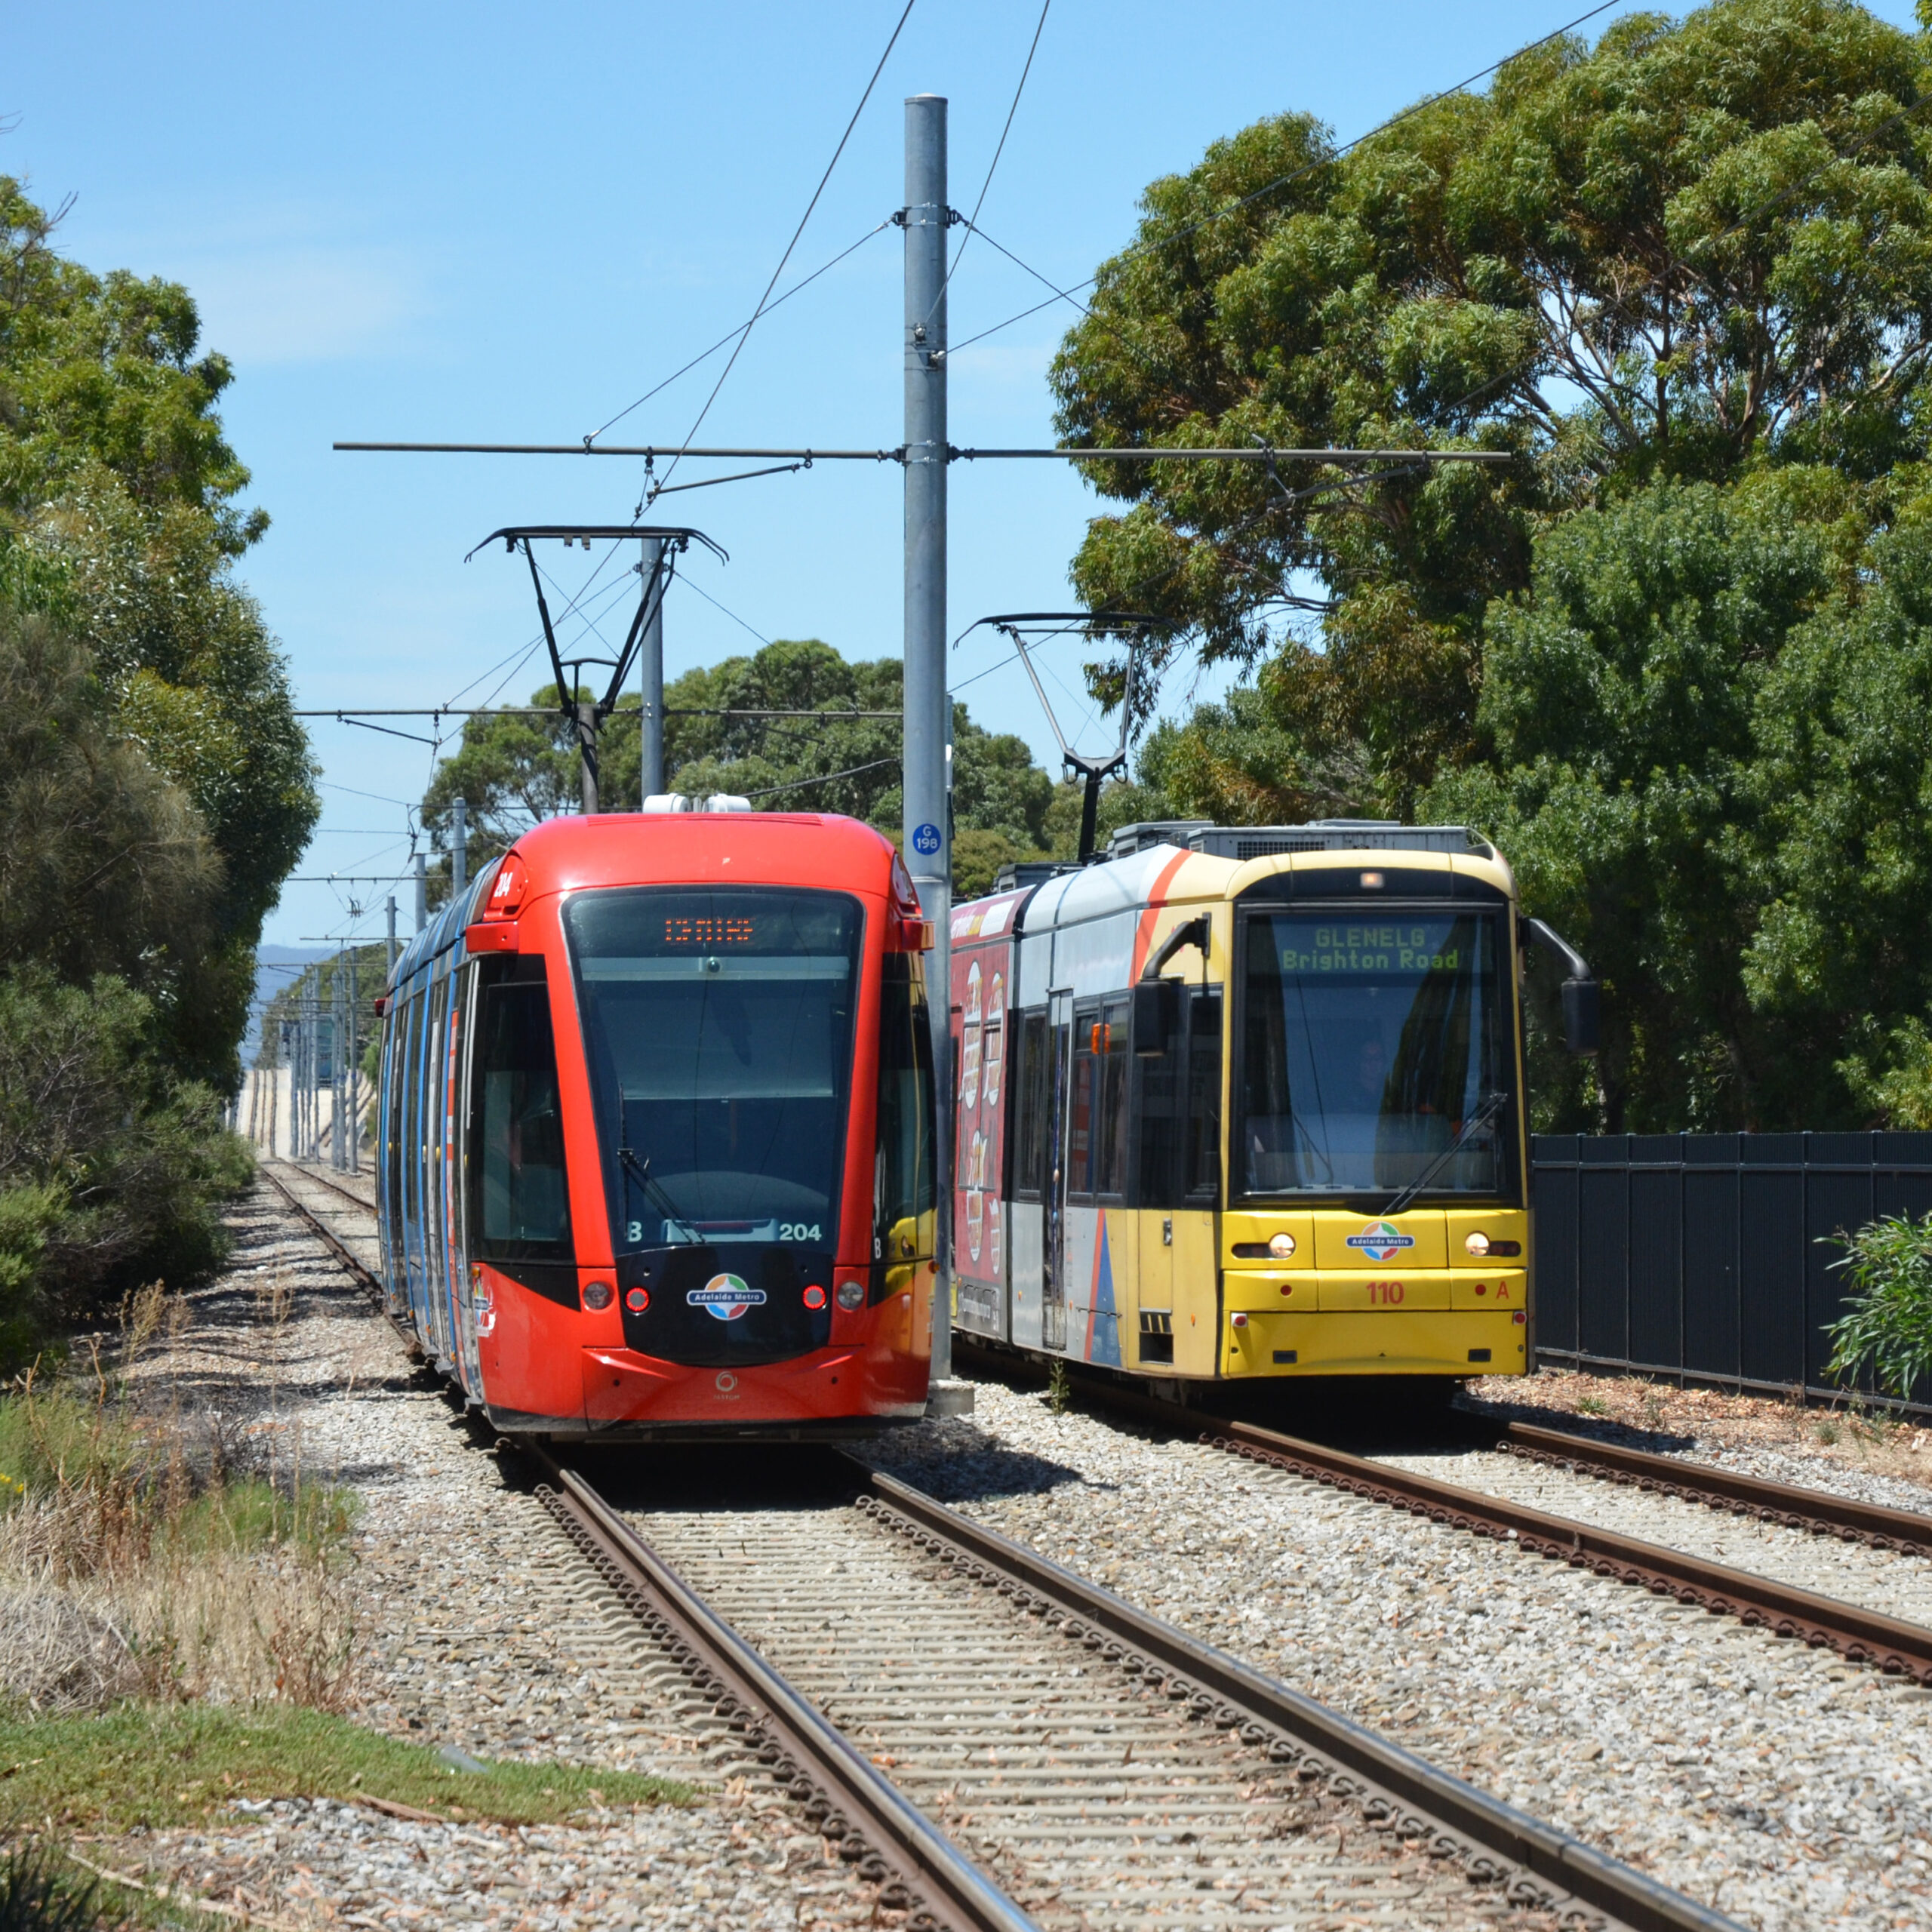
(814, 1297)
(637, 1299)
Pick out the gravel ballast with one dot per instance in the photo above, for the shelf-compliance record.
(486, 1632)
(1773, 1782)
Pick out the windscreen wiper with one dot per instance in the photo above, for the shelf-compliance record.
(1491, 1106)
(653, 1191)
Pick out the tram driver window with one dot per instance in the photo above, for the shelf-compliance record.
(1202, 1165)
(524, 1202)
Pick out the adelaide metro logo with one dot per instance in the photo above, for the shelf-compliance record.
(1380, 1239)
(726, 1296)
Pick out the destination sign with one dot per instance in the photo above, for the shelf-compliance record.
(1394, 946)
(708, 932)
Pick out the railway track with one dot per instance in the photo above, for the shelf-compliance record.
(1783, 1503)
(1056, 1757)
(1008, 1744)
(1858, 1634)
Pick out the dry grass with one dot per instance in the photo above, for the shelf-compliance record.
(1872, 1439)
(151, 1551)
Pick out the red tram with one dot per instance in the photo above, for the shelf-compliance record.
(656, 1130)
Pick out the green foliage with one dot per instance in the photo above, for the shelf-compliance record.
(173, 1765)
(106, 864)
(1888, 1325)
(1702, 244)
(111, 1167)
(119, 525)
(1708, 730)
(154, 786)
(514, 772)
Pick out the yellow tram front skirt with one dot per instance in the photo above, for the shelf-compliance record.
(1408, 1341)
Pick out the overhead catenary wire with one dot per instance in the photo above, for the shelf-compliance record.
(745, 336)
(823, 778)
(1027, 268)
(1297, 174)
(743, 328)
(1033, 47)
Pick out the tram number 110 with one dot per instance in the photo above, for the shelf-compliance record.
(1384, 1294)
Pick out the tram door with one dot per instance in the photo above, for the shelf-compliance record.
(1060, 1038)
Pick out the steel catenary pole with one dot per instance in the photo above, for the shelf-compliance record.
(928, 713)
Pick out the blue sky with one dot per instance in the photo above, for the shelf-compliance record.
(425, 221)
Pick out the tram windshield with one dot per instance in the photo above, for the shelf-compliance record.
(1376, 1055)
(717, 1023)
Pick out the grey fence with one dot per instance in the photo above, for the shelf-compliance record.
(1706, 1257)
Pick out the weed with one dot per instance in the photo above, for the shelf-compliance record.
(1652, 1405)
(1887, 1326)
(1827, 1430)
(149, 1554)
(1591, 1405)
(160, 1766)
(38, 1894)
(1059, 1388)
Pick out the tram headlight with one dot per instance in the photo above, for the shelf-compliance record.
(1480, 1244)
(598, 1295)
(1281, 1246)
(851, 1295)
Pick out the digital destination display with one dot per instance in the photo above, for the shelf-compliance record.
(699, 930)
(1398, 947)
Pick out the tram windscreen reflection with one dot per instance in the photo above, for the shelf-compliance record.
(718, 1024)
(1368, 1044)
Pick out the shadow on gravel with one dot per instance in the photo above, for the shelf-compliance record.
(958, 1462)
(1592, 1428)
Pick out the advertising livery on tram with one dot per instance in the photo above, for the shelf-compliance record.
(655, 1140)
(1247, 1102)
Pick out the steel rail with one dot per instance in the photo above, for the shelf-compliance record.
(1540, 1865)
(364, 1276)
(921, 1869)
(1860, 1635)
(334, 1186)
(1784, 1503)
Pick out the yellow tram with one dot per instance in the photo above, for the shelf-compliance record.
(1245, 1102)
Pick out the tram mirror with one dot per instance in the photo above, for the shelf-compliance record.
(1156, 1016)
(1579, 1016)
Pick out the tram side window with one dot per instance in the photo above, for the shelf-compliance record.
(1201, 1128)
(904, 1222)
(1110, 1040)
(523, 1204)
(408, 1155)
(399, 1085)
(1157, 1113)
(1030, 1094)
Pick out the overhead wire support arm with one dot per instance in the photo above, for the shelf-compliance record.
(1255, 453)
(649, 451)
(1094, 770)
(806, 458)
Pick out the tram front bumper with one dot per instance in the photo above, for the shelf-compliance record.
(1384, 1341)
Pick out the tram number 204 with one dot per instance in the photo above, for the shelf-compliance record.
(1384, 1294)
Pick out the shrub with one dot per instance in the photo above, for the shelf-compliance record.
(1888, 1326)
(38, 1894)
